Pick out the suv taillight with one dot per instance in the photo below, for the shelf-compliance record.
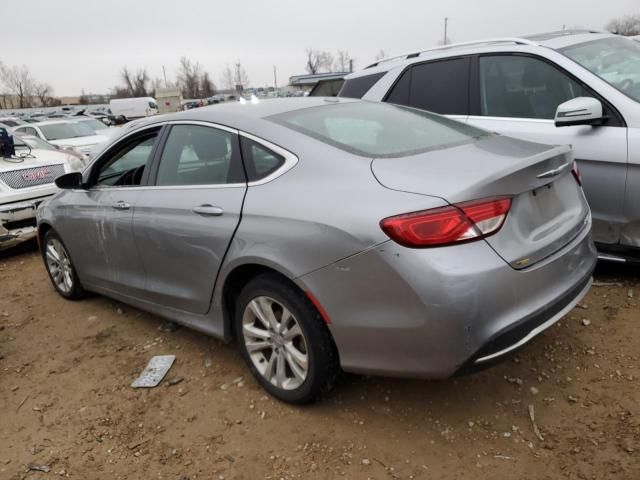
(576, 173)
(449, 225)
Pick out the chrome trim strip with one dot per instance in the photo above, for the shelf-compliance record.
(608, 257)
(540, 328)
(553, 172)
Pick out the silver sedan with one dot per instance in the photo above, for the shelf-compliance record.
(328, 234)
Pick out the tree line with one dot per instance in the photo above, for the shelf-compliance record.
(191, 79)
(18, 83)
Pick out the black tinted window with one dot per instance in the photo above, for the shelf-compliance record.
(197, 155)
(399, 93)
(441, 87)
(259, 161)
(357, 87)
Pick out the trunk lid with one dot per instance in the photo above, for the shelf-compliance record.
(548, 207)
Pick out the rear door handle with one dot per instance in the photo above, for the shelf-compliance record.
(208, 211)
(121, 205)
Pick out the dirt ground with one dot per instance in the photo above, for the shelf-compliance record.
(66, 405)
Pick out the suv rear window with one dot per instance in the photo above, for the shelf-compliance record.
(373, 129)
(357, 87)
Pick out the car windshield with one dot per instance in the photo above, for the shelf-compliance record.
(614, 59)
(374, 129)
(59, 131)
(93, 124)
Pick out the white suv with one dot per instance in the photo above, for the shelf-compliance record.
(586, 82)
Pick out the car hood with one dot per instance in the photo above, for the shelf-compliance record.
(37, 158)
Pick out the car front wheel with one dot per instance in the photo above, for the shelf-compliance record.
(284, 341)
(60, 268)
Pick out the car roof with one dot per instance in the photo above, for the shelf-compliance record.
(48, 122)
(552, 40)
(243, 115)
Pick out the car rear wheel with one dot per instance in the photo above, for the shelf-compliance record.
(284, 341)
(60, 268)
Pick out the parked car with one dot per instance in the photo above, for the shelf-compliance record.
(98, 127)
(10, 122)
(26, 179)
(327, 88)
(132, 108)
(572, 87)
(67, 134)
(379, 238)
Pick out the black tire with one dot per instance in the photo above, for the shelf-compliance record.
(75, 291)
(321, 354)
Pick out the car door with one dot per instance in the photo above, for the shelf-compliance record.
(517, 95)
(98, 228)
(185, 220)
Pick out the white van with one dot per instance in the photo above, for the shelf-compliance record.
(131, 108)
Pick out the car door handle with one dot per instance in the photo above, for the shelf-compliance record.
(208, 211)
(121, 205)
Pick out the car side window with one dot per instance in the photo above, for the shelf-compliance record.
(441, 86)
(125, 164)
(259, 161)
(199, 155)
(30, 131)
(523, 87)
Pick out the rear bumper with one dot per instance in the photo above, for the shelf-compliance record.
(518, 334)
(18, 222)
(432, 313)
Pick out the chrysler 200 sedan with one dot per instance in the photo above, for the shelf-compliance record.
(326, 234)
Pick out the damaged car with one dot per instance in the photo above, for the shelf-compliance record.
(327, 234)
(28, 169)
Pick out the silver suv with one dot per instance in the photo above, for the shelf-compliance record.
(586, 82)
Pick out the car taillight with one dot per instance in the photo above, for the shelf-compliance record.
(576, 173)
(458, 223)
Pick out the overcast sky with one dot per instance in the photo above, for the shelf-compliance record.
(83, 44)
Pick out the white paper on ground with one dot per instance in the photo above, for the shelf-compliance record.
(154, 372)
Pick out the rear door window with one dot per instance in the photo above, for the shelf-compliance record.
(441, 87)
(199, 155)
(357, 87)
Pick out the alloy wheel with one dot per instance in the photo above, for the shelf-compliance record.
(275, 343)
(59, 265)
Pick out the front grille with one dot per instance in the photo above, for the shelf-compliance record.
(31, 177)
(18, 224)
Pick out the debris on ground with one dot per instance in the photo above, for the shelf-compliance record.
(33, 467)
(532, 417)
(168, 326)
(154, 372)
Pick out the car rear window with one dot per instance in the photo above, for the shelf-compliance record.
(357, 87)
(374, 129)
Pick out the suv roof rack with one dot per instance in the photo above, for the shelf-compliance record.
(417, 53)
(562, 33)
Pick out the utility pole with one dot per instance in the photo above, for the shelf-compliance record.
(275, 78)
(350, 65)
(446, 21)
(165, 77)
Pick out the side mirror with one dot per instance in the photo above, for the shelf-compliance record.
(580, 111)
(69, 181)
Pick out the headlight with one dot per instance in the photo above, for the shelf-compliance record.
(76, 164)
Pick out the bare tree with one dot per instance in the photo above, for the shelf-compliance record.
(44, 92)
(236, 76)
(19, 82)
(318, 61)
(135, 84)
(343, 62)
(380, 55)
(627, 26)
(207, 87)
(189, 78)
